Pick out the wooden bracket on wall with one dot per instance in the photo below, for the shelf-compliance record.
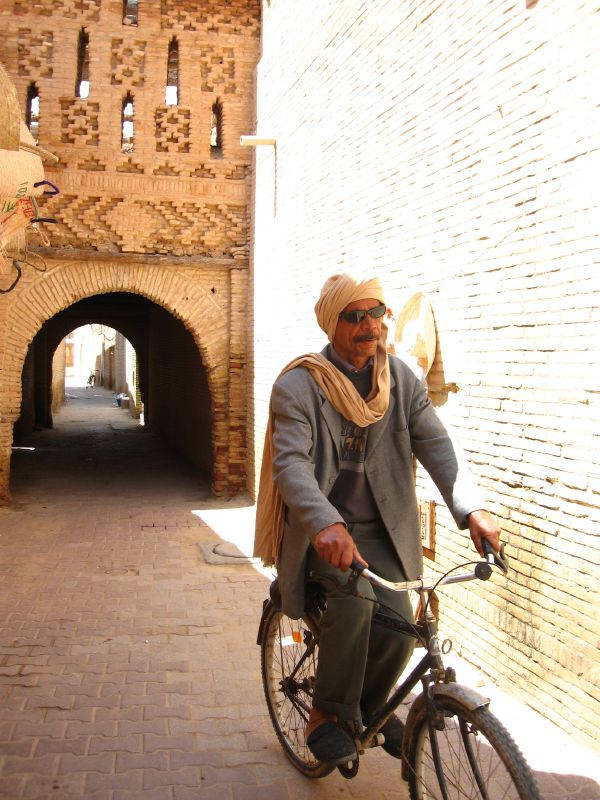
(427, 526)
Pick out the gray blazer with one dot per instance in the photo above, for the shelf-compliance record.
(306, 443)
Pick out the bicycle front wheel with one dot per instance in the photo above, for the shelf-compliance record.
(289, 651)
(472, 757)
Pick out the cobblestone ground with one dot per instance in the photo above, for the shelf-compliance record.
(128, 665)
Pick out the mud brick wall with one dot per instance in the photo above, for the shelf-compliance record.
(454, 149)
(129, 201)
(170, 195)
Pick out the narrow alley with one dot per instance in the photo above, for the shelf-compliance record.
(128, 664)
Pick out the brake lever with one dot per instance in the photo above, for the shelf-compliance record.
(500, 560)
(333, 583)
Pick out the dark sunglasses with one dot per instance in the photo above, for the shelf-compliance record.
(354, 317)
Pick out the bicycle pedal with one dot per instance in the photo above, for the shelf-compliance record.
(350, 769)
(376, 740)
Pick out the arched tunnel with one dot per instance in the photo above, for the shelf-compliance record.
(171, 375)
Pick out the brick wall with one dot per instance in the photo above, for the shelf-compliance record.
(209, 303)
(177, 383)
(165, 217)
(454, 149)
(168, 191)
(58, 377)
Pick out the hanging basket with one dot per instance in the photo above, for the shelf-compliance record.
(21, 179)
(21, 160)
(10, 113)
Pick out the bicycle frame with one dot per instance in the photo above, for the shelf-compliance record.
(429, 670)
(436, 680)
(425, 630)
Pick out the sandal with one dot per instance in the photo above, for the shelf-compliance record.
(331, 745)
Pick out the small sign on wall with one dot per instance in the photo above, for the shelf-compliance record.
(427, 526)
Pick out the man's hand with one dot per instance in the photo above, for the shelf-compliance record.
(483, 526)
(335, 546)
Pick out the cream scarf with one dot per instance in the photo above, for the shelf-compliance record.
(346, 400)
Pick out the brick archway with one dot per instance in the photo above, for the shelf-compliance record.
(209, 300)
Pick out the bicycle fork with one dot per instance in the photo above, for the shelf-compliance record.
(437, 722)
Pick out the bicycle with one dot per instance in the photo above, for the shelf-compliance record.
(454, 748)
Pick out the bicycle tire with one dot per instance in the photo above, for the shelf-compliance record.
(289, 654)
(503, 772)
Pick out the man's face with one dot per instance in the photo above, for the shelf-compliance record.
(356, 343)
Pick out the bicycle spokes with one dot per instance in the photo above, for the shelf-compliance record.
(465, 754)
(289, 662)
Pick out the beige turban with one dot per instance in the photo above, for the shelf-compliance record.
(337, 292)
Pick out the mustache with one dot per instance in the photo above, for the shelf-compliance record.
(366, 337)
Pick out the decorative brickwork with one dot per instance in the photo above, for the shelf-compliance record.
(191, 228)
(172, 129)
(167, 169)
(237, 173)
(162, 155)
(217, 68)
(79, 121)
(241, 17)
(204, 171)
(226, 228)
(182, 228)
(83, 219)
(35, 53)
(130, 166)
(88, 10)
(92, 164)
(127, 62)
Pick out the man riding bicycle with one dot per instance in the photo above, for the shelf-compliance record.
(337, 484)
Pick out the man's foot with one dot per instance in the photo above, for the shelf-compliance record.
(330, 744)
(327, 741)
(393, 730)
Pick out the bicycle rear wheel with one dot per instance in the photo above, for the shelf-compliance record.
(478, 757)
(289, 651)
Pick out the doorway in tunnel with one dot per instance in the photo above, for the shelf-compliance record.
(117, 351)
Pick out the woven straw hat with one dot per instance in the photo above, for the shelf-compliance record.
(414, 335)
(10, 113)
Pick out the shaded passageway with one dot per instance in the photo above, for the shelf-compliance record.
(149, 356)
(97, 451)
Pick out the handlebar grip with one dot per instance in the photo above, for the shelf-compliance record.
(356, 566)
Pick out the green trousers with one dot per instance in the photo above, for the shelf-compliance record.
(359, 662)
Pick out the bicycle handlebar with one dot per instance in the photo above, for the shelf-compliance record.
(482, 571)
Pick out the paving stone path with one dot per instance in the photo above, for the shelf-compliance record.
(128, 664)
